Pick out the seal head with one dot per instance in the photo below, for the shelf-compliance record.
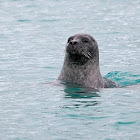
(81, 48)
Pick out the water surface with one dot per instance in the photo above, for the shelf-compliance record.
(33, 37)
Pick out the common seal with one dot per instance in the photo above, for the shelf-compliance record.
(81, 63)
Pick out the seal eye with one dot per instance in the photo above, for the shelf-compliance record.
(71, 38)
(85, 40)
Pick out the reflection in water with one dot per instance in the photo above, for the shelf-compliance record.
(78, 92)
(81, 104)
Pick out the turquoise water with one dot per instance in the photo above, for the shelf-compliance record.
(33, 37)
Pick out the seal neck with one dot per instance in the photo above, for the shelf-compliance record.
(87, 75)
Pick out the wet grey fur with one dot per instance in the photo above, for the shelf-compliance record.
(81, 63)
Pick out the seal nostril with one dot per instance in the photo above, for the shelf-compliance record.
(73, 42)
(70, 43)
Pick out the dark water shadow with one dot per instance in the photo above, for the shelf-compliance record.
(80, 96)
(76, 91)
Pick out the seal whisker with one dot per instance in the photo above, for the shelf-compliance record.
(89, 54)
(85, 54)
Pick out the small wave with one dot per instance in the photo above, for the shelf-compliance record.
(23, 20)
(123, 78)
(124, 123)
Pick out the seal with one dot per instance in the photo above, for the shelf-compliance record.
(81, 63)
